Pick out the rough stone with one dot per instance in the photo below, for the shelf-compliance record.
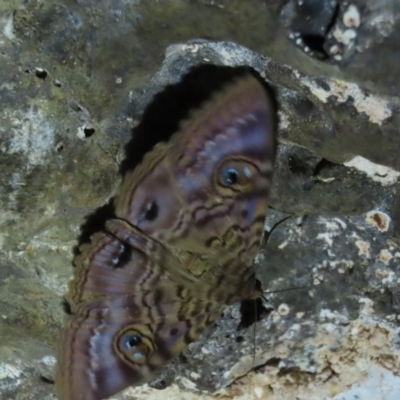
(88, 86)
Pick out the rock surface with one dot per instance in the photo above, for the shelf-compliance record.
(78, 103)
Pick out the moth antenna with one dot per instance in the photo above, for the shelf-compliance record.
(267, 234)
(254, 335)
(254, 351)
(287, 289)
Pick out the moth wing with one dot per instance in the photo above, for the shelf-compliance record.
(113, 343)
(213, 175)
(126, 284)
(206, 190)
(123, 260)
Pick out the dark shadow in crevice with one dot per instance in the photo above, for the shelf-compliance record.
(66, 306)
(47, 380)
(311, 22)
(95, 222)
(41, 73)
(297, 165)
(317, 42)
(89, 132)
(252, 310)
(272, 362)
(323, 165)
(163, 379)
(160, 384)
(294, 372)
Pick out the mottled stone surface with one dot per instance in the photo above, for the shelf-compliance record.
(77, 76)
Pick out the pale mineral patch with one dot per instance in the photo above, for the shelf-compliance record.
(10, 376)
(329, 224)
(324, 180)
(229, 53)
(319, 92)
(193, 48)
(194, 375)
(284, 122)
(384, 22)
(341, 223)
(16, 182)
(80, 133)
(234, 57)
(46, 367)
(379, 384)
(365, 344)
(283, 309)
(9, 371)
(283, 245)
(8, 27)
(259, 392)
(381, 273)
(385, 256)
(375, 107)
(282, 351)
(187, 383)
(32, 136)
(341, 264)
(378, 173)
(317, 279)
(363, 248)
(390, 279)
(327, 314)
(145, 392)
(326, 237)
(351, 17)
(260, 257)
(345, 36)
(367, 306)
(378, 219)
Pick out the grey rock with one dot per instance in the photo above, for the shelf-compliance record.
(77, 77)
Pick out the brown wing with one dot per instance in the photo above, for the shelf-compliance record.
(130, 314)
(206, 190)
(113, 343)
(122, 260)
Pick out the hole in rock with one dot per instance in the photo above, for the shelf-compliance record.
(89, 131)
(41, 73)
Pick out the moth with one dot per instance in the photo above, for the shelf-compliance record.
(187, 227)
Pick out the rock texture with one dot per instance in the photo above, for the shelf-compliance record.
(86, 87)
